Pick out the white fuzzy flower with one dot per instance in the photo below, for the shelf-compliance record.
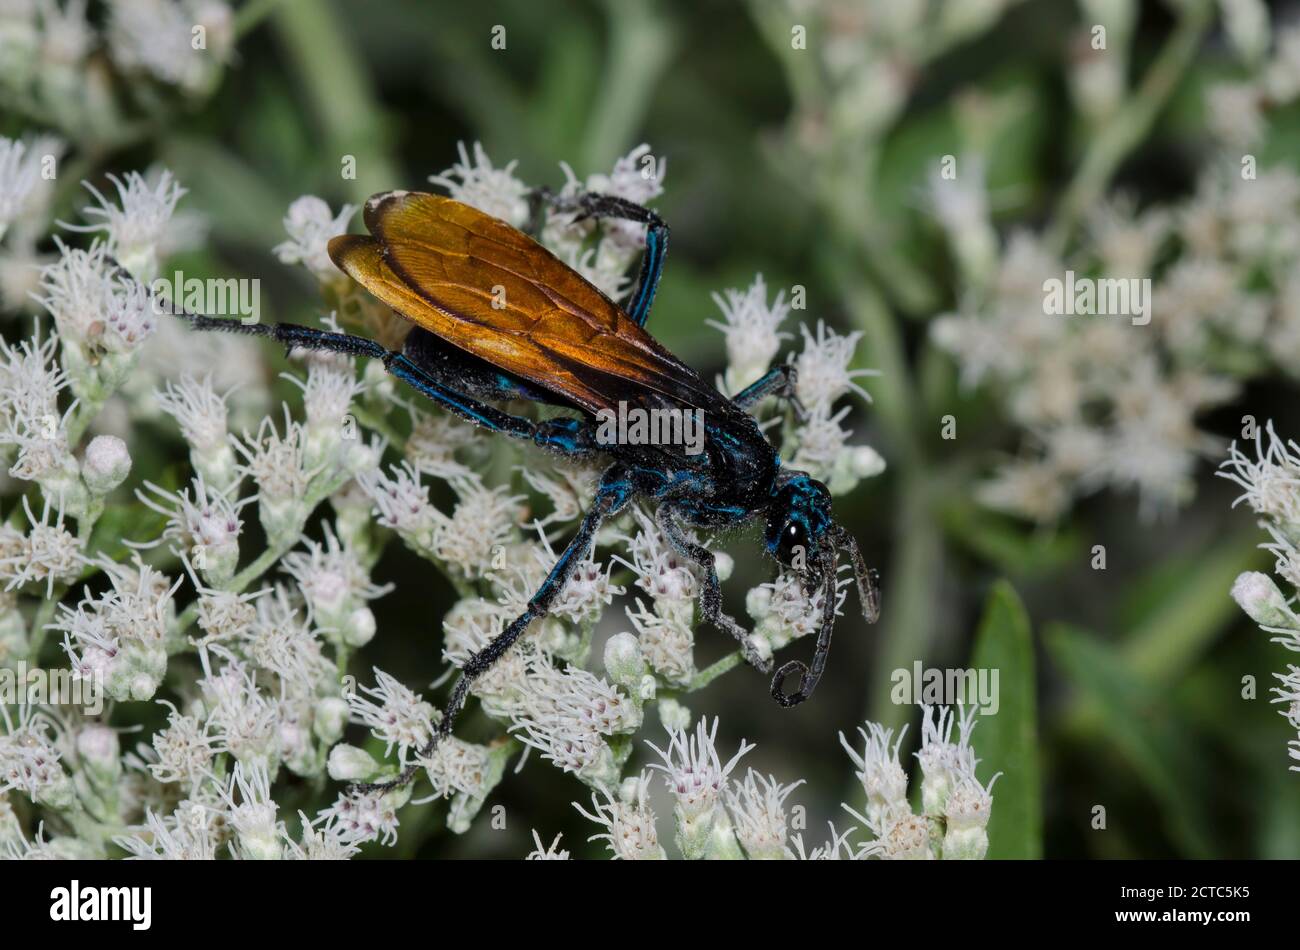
(29, 757)
(48, 553)
(184, 749)
(134, 229)
(327, 843)
(310, 225)
(280, 640)
(543, 852)
(188, 834)
(158, 37)
(336, 586)
(402, 503)
(204, 528)
(751, 330)
(660, 571)
(30, 383)
(121, 634)
(697, 778)
(823, 367)
(483, 519)
(944, 763)
(667, 642)
(758, 810)
(19, 175)
(201, 415)
(253, 816)
(396, 715)
(784, 611)
(244, 719)
(880, 772)
(628, 820)
(1271, 480)
(456, 767)
(470, 625)
(278, 464)
(358, 817)
(567, 715)
(495, 191)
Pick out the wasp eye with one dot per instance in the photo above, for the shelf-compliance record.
(794, 543)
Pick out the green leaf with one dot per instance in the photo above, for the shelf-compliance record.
(1123, 708)
(1179, 607)
(1009, 544)
(1008, 741)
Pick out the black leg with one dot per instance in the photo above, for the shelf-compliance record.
(613, 494)
(591, 205)
(868, 581)
(809, 676)
(711, 594)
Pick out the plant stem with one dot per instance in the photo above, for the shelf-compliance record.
(707, 675)
(1131, 122)
(640, 45)
(334, 81)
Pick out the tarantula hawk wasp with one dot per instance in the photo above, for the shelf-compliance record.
(557, 339)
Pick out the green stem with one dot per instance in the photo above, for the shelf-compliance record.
(41, 619)
(707, 675)
(640, 45)
(86, 412)
(251, 14)
(268, 558)
(334, 81)
(908, 605)
(1130, 123)
(377, 423)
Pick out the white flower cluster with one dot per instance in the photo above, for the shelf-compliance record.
(1105, 402)
(96, 71)
(1271, 489)
(1112, 400)
(718, 818)
(157, 590)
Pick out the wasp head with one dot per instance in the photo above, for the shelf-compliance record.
(798, 522)
(801, 535)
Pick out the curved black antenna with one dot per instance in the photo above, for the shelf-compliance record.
(808, 677)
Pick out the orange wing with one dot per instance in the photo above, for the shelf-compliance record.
(443, 265)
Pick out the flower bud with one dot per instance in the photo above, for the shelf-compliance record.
(331, 719)
(348, 763)
(1260, 598)
(623, 661)
(106, 464)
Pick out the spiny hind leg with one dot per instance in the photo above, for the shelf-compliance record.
(569, 436)
(711, 592)
(612, 495)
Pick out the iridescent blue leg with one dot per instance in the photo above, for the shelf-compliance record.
(592, 205)
(778, 381)
(612, 495)
(567, 435)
